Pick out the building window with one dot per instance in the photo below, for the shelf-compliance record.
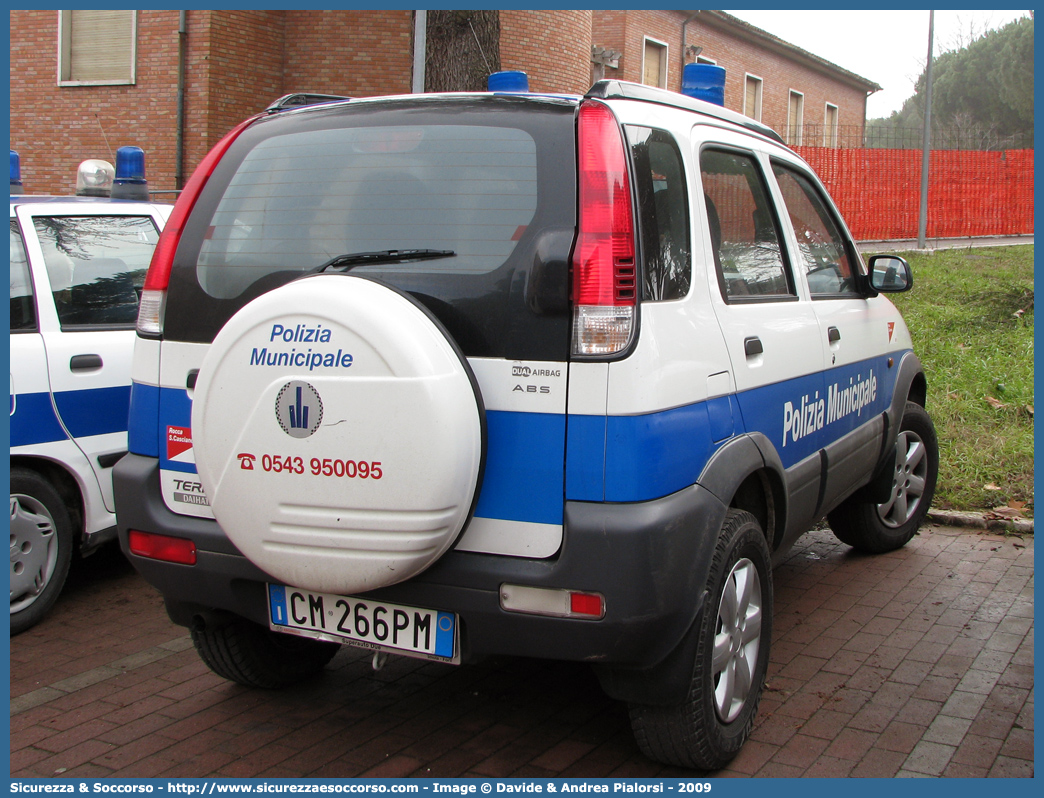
(830, 126)
(704, 60)
(96, 47)
(795, 118)
(752, 97)
(654, 67)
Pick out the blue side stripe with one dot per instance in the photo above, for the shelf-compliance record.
(525, 454)
(585, 458)
(34, 420)
(142, 431)
(648, 456)
(656, 454)
(98, 411)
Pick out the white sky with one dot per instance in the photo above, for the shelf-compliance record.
(889, 47)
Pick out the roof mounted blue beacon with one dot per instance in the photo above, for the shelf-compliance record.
(16, 174)
(512, 81)
(130, 182)
(704, 82)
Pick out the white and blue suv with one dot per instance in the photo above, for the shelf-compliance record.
(77, 267)
(507, 373)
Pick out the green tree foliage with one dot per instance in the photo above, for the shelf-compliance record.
(982, 94)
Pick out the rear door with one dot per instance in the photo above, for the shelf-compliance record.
(490, 180)
(92, 261)
(770, 327)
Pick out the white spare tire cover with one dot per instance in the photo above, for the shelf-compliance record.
(338, 434)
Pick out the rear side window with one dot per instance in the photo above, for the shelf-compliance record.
(96, 266)
(744, 231)
(300, 199)
(23, 311)
(659, 177)
(828, 263)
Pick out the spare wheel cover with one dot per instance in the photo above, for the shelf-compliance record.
(339, 434)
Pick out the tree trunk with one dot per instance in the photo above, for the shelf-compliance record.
(463, 49)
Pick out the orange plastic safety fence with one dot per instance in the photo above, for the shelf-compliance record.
(969, 193)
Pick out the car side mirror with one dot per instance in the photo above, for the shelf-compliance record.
(890, 274)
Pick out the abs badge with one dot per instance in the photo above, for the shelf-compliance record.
(299, 410)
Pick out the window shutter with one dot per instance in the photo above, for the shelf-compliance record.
(653, 65)
(99, 46)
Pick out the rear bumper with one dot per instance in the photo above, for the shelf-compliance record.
(649, 560)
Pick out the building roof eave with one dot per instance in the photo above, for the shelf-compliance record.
(731, 24)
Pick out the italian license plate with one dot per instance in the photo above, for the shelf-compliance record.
(363, 622)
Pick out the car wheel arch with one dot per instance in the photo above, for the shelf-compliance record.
(63, 481)
(747, 474)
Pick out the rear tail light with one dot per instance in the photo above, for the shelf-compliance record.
(154, 292)
(162, 547)
(555, 602)
(604, 277)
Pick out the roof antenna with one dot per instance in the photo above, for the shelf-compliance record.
(481, 51)
(107, 145)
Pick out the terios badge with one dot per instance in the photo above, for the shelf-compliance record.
(299, 410)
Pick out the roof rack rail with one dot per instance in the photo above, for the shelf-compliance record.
(301, 99)
(625, 90)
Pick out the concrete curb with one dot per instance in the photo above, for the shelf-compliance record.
(1023, 526)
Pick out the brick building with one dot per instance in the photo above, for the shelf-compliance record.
(174, 82)
(805, 98)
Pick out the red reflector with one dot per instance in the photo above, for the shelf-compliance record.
(162, 547)
(586, 604)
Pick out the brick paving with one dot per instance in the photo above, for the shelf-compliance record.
(914, 663)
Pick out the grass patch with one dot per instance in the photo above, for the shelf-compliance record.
(971, 317)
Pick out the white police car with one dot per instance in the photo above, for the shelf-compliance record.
(505, 373)
(77, 265)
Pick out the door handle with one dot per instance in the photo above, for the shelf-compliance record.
(85, 362)
(833, 334)
(752, 346)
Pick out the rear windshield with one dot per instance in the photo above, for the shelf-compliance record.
(300, 199)
(486, 187)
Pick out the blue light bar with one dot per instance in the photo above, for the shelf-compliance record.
(130, 182)
(704, 82)
(16, 173)
(130, 164)
(510, 80)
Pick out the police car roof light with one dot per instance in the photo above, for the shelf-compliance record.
(130, 183)
(604, 285)
(130, 164)
(704, 82)
(16, 173)
(508, 80)
(94, 178)
(158, 277)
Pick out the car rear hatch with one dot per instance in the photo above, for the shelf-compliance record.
(466, 204)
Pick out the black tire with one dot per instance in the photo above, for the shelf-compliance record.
(251, 655)
(707, 730)
(875, 528)
(41, 547)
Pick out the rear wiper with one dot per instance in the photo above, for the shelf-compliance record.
(353, 259)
